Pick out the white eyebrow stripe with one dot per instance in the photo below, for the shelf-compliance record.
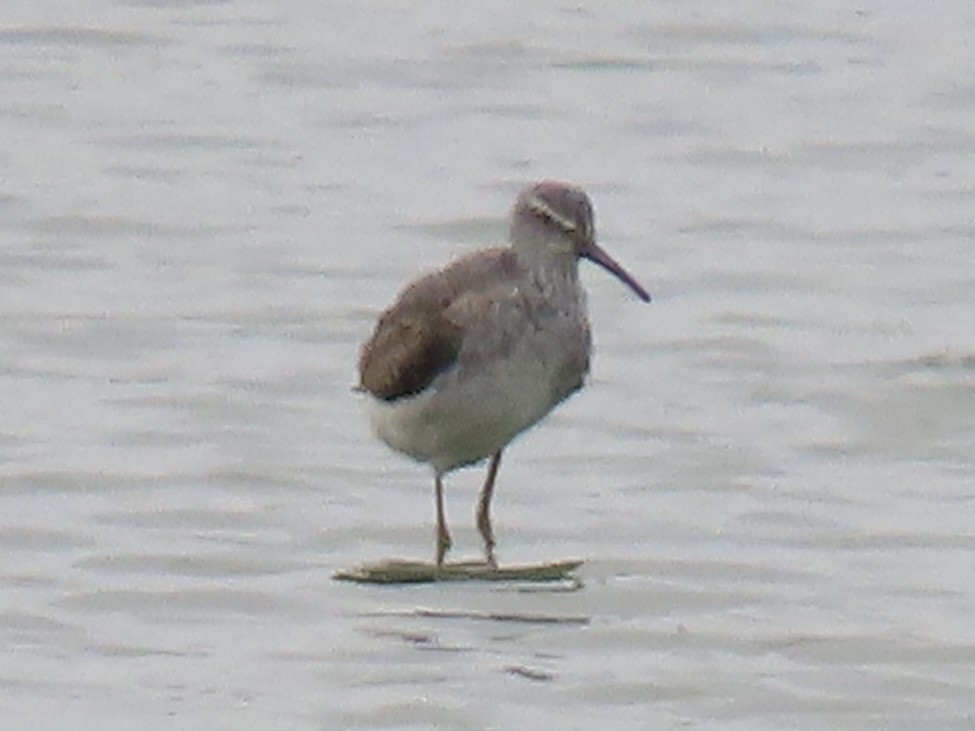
(546, 210)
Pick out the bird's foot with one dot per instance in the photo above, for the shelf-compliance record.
(487, 535)
(443, 545)
(489, 558)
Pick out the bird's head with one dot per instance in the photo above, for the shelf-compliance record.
(554, 221)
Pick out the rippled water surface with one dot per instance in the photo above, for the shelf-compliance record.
(203, 207)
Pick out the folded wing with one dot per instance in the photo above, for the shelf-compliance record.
(419, 338)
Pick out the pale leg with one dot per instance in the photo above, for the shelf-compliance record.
(484, 510)
(443, 535)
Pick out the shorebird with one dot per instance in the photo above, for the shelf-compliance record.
(473, 354)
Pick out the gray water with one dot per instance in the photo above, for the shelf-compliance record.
(771, 476)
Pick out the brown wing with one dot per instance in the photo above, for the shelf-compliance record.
(415, 341)
(407, 352)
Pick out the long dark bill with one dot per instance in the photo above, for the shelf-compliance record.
(595, 254)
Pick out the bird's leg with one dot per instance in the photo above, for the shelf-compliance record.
(443, 534)
(484, 510)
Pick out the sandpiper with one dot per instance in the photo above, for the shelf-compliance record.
(473, 354)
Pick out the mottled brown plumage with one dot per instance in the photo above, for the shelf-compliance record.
(421, 335)
(407, 352)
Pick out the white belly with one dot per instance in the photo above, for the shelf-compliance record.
(466, 415)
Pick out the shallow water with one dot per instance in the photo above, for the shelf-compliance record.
(203, 207)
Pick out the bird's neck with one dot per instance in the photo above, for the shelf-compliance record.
(552, 266)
